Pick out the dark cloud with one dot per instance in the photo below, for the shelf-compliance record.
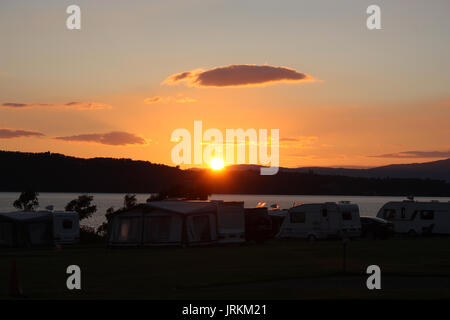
(10, 134)
(415, 154)
(73, 105)
(14, 105)
(115, 138)
(239, 75)
(175, 99)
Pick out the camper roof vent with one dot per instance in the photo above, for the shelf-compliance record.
(344, 201)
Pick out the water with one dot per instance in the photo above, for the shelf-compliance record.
(103, 201)
(368, 206)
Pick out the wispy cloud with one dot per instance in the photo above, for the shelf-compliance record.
(152, 100)
(70, 105)
(11, 134)
(115, 138)
(415, 154)
(238, 75)
(298, 142)
(158, 99)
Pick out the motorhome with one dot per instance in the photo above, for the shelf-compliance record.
(25, 229)
(417, 217)
(321, 221)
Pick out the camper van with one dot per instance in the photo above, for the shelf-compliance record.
(321, 221)
(25, 229)
(417, 217)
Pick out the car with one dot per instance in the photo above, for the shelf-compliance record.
(376, 228)
(258, 225)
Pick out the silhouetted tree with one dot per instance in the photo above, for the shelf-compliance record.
(27, 201)
(103, 228)
(129, 201)
(110, 210)
(82, 206)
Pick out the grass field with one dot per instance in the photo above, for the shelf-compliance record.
(411, 268)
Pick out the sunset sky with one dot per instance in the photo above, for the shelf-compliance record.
(340, 94)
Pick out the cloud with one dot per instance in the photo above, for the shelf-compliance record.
(10, 134)
(153, 100)
(298, 142)
(238, 75)
(415, 154)
(185, 100)
(290, 139)
(115, 138)
(71, 105)
(158, 99)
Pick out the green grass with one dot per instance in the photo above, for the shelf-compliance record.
(274, 270)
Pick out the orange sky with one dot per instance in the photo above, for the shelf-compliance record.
(340, 96)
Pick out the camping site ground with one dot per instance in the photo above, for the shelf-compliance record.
(289, 269)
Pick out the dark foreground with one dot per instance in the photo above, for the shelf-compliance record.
(411, 268)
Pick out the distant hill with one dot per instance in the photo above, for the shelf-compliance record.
(51, 172)
(439, 170)
(59, 173)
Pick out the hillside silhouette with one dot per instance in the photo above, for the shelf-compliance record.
(51, 172)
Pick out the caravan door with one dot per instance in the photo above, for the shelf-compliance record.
(324, 220)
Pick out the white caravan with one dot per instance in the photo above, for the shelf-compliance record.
(416, 217)
(66, 227)
(322, 221)
(230, 222)
(23, 229)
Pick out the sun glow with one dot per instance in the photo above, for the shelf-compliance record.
(217, 164)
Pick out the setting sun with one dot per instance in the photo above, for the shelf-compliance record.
(217, 164)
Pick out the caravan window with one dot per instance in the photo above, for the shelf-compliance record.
(129, 229)
(389, 214)
(298, 217)
(346, 215)
(324, 212)
(427, 214)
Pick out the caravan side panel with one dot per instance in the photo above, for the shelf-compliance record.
(126, 229)
(231, 222)
(162, 228)
(201, 228)
(66, 227)
(6, 234)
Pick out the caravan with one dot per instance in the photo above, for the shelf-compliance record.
(177, 222)
(25, 229)
(321, 221)
(417, 217)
